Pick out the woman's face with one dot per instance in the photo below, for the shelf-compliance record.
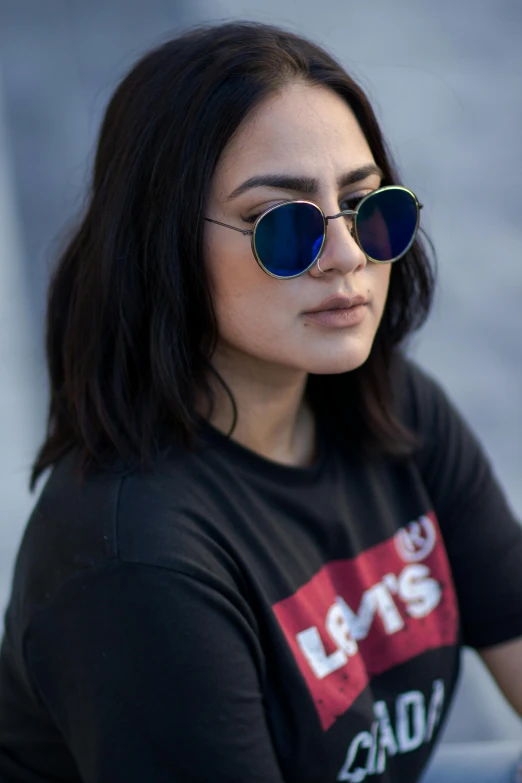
(309, 133)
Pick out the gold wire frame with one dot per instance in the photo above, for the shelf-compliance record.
(345, 213)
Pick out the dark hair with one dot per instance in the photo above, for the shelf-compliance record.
(130, 322)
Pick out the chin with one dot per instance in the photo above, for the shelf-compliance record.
(338, 362)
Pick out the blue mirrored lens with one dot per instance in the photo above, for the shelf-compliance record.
(386, 224)
(289, 238)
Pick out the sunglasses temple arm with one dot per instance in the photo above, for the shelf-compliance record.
(244, 231)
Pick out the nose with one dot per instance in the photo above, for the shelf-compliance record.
(341, 253)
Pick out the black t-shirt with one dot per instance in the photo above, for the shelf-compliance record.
(228, 618)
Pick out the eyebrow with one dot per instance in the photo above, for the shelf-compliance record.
(302, 184)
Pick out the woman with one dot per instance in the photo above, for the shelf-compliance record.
(266, 533)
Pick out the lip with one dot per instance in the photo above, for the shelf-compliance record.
(340, 318)
(338, 302)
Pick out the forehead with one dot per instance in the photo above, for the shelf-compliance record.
(306, 128)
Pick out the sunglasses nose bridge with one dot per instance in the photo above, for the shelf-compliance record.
(347, 252)
(345, 213)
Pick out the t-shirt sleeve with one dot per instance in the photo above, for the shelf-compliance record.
(153, 675)
(482, 536)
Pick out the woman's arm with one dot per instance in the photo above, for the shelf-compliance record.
(153, 675)
(505, 664)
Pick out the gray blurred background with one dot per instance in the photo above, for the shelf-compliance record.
(446, 81)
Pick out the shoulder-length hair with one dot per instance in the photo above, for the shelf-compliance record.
(130, 322)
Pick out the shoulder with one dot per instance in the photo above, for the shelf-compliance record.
(424, 406)
(448, 448)
(163, 517)
(418, 396)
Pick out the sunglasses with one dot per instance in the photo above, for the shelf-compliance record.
(288, 238)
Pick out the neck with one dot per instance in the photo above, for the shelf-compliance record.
(273, 418)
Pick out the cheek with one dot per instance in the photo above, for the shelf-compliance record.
(248, 302)
(380, 283)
